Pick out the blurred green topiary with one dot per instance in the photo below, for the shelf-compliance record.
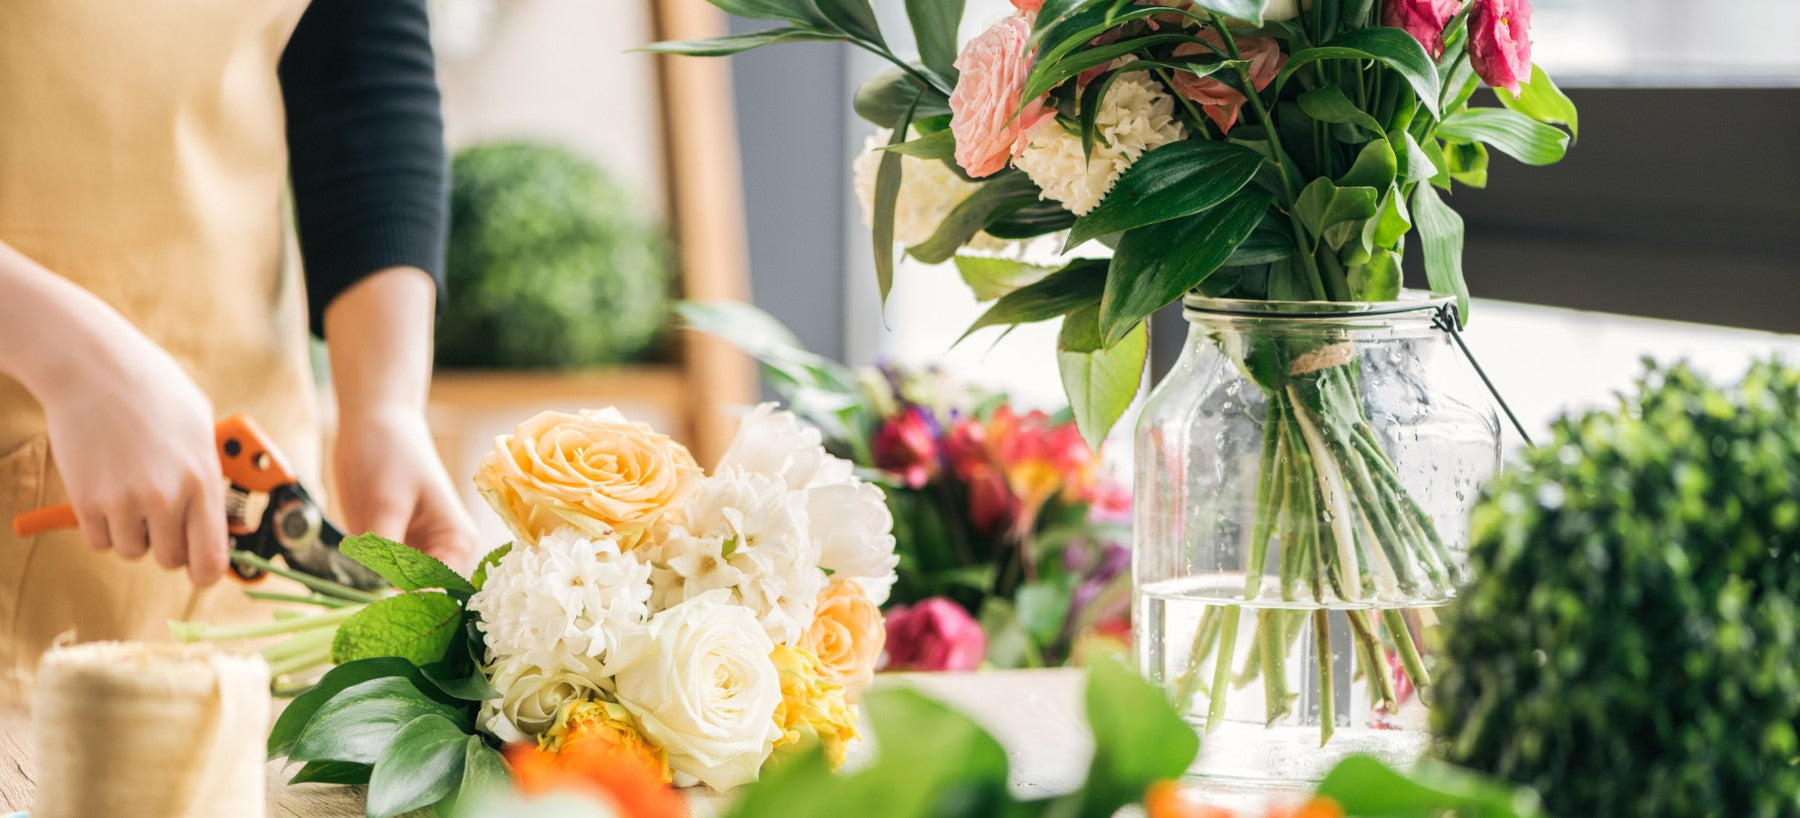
(1631, 643)
(551, 263)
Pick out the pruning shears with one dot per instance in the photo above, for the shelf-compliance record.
(267, 512)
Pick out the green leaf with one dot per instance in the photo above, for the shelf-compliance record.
(800, 12)
(1362, 785)
(492, 558)
(999, 195)
(1328, 104)
(1511, 132)
(358, 723)
(737, 43)
(1323, 204)
(469, 686)
(887, 198)
(1378, 279)
(1176, 180)
(484, 773)
(885, 97)
(1468, 162)
(1053, 71)
(422, 764)
(407, 568)
(1100, 382)
(294, 717)
(418, 627)
(1250, 11)
(1008, 645)
(1139, 738)
(1064, 291)
(1154, 265)
(1044, 607)
(1541, 100)
(332, 772)
(940, 146)
(1415, 163)
(1272, 240)
(1441, 234)
(1391, 47)
(853, 17)
(934, 25)
(990, 278)
(1037, 218)
(1375, 167)
(1391, 222)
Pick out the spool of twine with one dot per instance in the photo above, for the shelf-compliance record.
(125, 728)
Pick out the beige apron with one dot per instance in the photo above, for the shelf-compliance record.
(142, 156)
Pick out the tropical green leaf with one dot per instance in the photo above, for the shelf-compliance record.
(1154, 265)
(934, 24)
(1048, 74)
(1176, 180)
(993, 199)
(799, 12)
(1377, 279)
(1328, 104)
(471, 685)
(492, 558)
(1468, 162)
(853, 17)
(1391, 47)
(1510, 132)
(1075, 286)
(1376, 167)
(358, 723)
(418, 627)
(1415, 163)
(1139, 738)
(990, 278)
(1541, 100)
(884, 98)
(940, 146)
(332, 772)
(1362, 785)
(422, 765)
(1100, 382)
(407, 568)
(1441, 234)
(736, 43)
(294, 717)
(1391, 222)
(887, 197)
(1323, 204)
(1091, 98)
(1037, 218)
(484, 774)
(1272, 240)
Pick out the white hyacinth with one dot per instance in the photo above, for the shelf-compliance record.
(569, 602)
(747, 532)
(1137, 116)
(776, 444)
(929, 190)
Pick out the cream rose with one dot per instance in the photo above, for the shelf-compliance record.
(705, 691)
(595, 471)
(847, 636)
(530, 696)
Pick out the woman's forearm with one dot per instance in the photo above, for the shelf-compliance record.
(50, 328)
(379, 333)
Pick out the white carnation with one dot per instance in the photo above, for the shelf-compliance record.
(570, 601)
(746, 532)
(706, 691)
(1138, 115)
(531, 695)
(855, 532)
(776, 444)
(929, 190)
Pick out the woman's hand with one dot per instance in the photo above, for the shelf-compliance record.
(131, 433)
(389, 478)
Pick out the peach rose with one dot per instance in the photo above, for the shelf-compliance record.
(847, 636)
(1219, 101)
(595, 471)
(987, 95)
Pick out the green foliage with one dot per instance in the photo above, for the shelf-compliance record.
(1628, 645)
(407, 568)
(1100, 380)
(551, 263)
(418, 627)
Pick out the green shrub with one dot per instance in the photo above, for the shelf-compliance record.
(551, 264)
(1631, 643)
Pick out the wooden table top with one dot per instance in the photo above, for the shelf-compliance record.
(1035, 715)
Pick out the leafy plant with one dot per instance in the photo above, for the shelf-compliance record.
(1627, 646)
(551, 263)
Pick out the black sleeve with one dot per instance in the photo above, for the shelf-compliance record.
(365, 144)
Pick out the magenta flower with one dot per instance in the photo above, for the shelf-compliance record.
(935, 634)
(1423, 19)
(1500, 42)
(907, 446)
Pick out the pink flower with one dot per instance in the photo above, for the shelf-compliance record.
(935, 634)
(987, 95)
(1221, 102)
(1500, 42)
(907, 446)
(1423, 19)
(1028, 6)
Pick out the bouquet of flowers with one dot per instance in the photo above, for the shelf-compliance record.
(704, 621)
(1012, 540)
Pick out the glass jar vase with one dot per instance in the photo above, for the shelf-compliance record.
(1303, 481)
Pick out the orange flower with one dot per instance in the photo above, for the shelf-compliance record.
(1317, 807)
(1168, 799)
(627, 779)
(846, 635)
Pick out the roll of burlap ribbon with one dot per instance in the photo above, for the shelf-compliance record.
(159, 731)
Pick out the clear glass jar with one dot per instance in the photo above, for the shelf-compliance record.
(1304, 477)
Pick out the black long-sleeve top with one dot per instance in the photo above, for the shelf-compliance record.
(365, 144)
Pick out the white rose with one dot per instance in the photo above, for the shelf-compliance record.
(706, 691)
(568, 601)
(855, 532)
(530, 696)
(1137, 116)
(777, 444)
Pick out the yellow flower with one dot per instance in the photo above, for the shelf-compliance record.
(594, 471)
(603, 724)
(847, 636)
(812, 708)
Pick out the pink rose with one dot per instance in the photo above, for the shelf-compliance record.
(1423, 19)
(1221, 102)
(935, 634)
(987, 95)
(1500, 42)
(907, 446)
